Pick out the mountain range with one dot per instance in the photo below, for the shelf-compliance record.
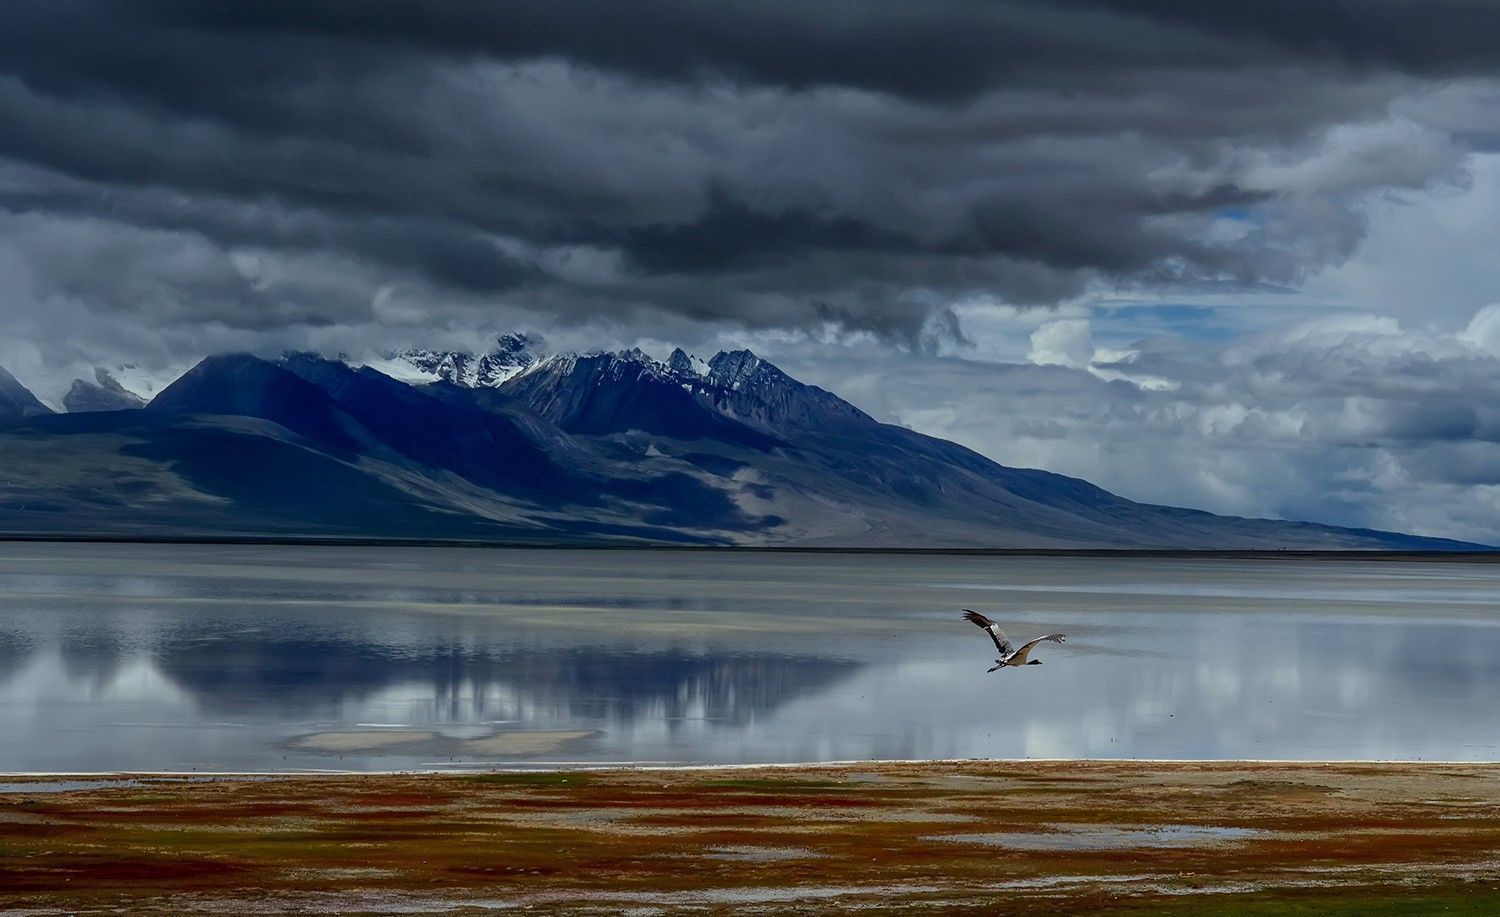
(516, 446)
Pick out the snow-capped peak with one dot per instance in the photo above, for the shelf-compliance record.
(513, 352)
(105, 393)
(142, 383)
(732, 369)
(682, 363)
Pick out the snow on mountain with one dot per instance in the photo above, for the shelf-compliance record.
(142, 383)
(604, 367)
(513, 353)
(597, 447)
(744, 386)
(734, 384)
(105, 393)
(618, 392)
(688, 365)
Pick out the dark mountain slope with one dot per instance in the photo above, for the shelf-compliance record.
(160, 473)
(16, 400)
(744, 386)
(483, 447)
(569, 449)
(246, 386)
(605, 393)
(479, 436)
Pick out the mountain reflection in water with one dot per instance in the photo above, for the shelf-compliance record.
(174, 658)
(305, 679)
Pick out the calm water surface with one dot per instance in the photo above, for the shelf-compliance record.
(204, 658)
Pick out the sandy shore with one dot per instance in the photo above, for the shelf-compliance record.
(1062, 837)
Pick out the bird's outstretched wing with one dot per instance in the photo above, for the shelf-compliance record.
(1020, 656)
(1002, 643)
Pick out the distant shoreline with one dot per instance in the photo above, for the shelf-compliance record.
(585, 768)
(1474, 556)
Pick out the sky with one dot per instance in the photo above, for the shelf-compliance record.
(1233, 256)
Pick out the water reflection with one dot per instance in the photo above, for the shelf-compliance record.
(265, 674)
(223, 657)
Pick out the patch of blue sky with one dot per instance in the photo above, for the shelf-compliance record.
(1121, 324)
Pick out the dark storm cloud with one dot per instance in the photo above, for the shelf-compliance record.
(768, 164)
(447, 252)
(945, 49)
(939, 49)
(1445, 37)
(728, 234)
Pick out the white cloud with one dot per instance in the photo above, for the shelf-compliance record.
(1428, 257)
(1348, 419)
(1483, 330)
(1066, 342)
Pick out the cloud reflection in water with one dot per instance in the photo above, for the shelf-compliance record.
(842, 659)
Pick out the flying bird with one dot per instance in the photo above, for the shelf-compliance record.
(1009, 655)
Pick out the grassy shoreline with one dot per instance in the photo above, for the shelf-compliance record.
(1067, 836)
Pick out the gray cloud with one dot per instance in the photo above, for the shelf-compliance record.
(838, 184)
(777, 164)
(1351, 419)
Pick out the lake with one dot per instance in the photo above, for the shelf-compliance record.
(265, 658)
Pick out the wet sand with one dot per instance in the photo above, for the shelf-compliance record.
(1008, 837)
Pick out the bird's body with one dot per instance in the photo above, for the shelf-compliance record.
(1010, 654)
